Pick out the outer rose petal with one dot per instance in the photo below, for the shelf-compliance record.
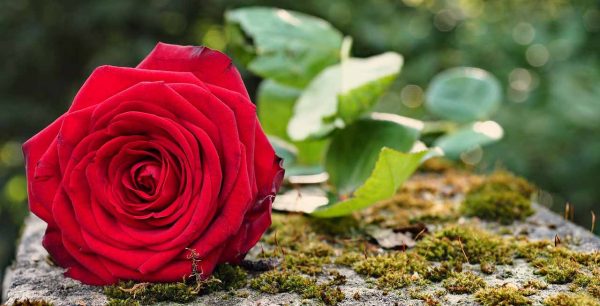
(210, 66)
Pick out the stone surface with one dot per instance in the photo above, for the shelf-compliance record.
(32, 276)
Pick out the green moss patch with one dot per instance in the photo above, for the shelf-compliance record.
(571, 299)
(464, 282)
(500, 197)
(505, 295)
(466, 244)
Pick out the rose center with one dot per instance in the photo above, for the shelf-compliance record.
(146, 175)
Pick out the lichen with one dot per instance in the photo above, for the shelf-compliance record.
(504, 295)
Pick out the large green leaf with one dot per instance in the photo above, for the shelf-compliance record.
(341, 93)
(286, 46)
(392, 169)
(275, 105)
(470, 137)
(463, 94)
(354, 150)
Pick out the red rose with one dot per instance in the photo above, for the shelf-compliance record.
(151, 164)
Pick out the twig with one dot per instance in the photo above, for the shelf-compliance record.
(135, 289)
(420, 233)
(556, 240)
(463, 250)
(593, 221)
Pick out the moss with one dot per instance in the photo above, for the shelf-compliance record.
(464, 282)
(570, 299)
(501, 197)
(377, 266)
(505, 295)
(504, 180)
(558, 270)
(28, 302)
(466, 244)
(231, 277)
(349, 258)
(281, 281)
(284, 281)
(394, 280)
(147, 293)
(437, 273)
(326, 293)
(487, 267)
(126, 302)
(427, 298)
(536, 284)
(311, 265)
(502, 206)
(341, 226)
(224, 277)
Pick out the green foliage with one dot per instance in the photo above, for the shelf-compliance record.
(463, 94)
(275, 105)
(468, 138)
(391, 170)
(354, 150)
(288, 47)
(341, 93)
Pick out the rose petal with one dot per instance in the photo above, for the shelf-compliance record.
(210, 66)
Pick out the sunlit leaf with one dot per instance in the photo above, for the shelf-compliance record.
(354, 150)
(286, 46)
(392, 169)
(470, 137)
(463, 94)
(341, 93)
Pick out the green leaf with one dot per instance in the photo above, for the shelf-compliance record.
(463, 94)
(392, 169)
(468, 138)
(341, 93)
(354, 150)
(286, 46)
(275, 105)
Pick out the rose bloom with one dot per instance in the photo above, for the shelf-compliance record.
(151, 165)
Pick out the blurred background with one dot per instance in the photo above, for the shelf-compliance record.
(544, 52)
